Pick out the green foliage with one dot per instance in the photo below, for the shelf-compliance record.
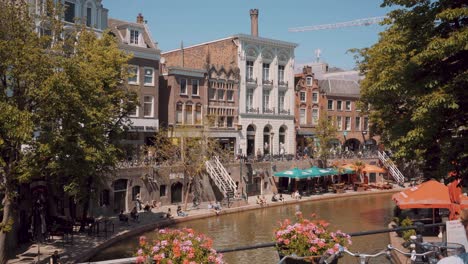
(415, 82)
(326, 132)
(407, 233)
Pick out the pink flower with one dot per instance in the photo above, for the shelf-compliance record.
(140, 259)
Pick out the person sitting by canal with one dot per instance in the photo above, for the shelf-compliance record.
(147, 207)
(463, 257)
(296, 195)
(55, 258)
(280, 198)
(264, 201)
(217, 206)
(134, 214)
(180, 212)
(259, 200)
(274, 198)
(169, 213)
(122, 217)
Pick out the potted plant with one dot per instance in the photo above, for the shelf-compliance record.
(177, 246)
(308, 238)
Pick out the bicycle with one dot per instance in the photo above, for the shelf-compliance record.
(365, 258)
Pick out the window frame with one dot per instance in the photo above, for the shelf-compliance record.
(66, 9)
(309, 81)
(145, 76)
(301, 116)
(266, 97)
(134, 37)
(249, 68)
(281, 69)
(346, 105)
(185, 86)
(347, 125)
(340, 104)
(230, 98)
(317, 98)
(339, 123)
(137, 75)
(152, 106)
(332, 104)
(315, 121)
(249, 102)
(266, 71)
(357, 124)
(197, 85)
(300, 97)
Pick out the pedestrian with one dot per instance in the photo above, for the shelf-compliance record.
(55, 258)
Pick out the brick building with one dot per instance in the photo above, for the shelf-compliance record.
(257, 70)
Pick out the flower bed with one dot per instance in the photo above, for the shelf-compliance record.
(178, 246)
(308, 238)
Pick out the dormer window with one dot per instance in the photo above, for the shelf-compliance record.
(134, 36)
(309, 81)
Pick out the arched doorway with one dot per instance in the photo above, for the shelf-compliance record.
(176, 192)
(250, 140)
(120, 194)
(266, 140)
(352, 144)
(282, 140)
(370, 144)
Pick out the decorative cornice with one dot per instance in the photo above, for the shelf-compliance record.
(266, 41)
(267, 116)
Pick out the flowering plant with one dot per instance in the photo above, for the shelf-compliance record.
(174, 246)
(308, 238)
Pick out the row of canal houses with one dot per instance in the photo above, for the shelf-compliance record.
(244, 84)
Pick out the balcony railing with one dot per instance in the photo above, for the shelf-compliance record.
(267, 82)
(253, 110)
(282, 83)
(251, 80)
(284, 112)
(269, 110)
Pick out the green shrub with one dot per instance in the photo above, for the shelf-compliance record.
(407, 233)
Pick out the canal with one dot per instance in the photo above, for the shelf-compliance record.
(350, 214)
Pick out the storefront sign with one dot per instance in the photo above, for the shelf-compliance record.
(456, 233)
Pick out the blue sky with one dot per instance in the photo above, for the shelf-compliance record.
(198, 21)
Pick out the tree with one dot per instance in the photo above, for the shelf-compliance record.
(188, 148)
(326, 132)
(415, 81)
(62, 97)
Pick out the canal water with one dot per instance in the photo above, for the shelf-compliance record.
(350, 214)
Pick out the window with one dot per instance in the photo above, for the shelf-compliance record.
(230, 95)
(134, 35)
(194, 87)
(133, 74)
(221, 121)
(281, 74)
(179, 113)
(89, 16)
(162, 190)
(148, 106)
(212, 92)
(220, 94)
(281, 96)
(315, 116)
(348, 105)
(330, 105)
(357, 123)
(266, 100)
(309, 81)
(302, 116)
(198, 115)
(133, 112)
(348, 123)
(366, 124)
(249, 98)
(135, 192)
(339, 105)
(303, 96)
(188, 114)
(339, 123)
(249, 70)
(69, 12)
(149, 73)
(314, 97)
(183, 86)
(266, 71)
(229, 121)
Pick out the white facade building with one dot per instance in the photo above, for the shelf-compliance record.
(266, 99)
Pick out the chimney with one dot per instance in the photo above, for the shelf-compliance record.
(254, 22)
(140, 19)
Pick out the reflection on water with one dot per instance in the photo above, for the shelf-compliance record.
(246, 228)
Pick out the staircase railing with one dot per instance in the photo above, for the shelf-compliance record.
(394, 171)
(221, 177)
(230, 182)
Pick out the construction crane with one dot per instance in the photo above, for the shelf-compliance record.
(353, 23)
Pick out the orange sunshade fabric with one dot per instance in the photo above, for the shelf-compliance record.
(430, 194)
(454, 191)
(367, 168)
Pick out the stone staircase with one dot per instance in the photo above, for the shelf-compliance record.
(221, 177)
(392, 169)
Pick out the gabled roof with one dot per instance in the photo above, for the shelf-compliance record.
(119, 27)
(340, 88)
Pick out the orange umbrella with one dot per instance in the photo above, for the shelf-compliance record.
(430, 194)
(367, 168)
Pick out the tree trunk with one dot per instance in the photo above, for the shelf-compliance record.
(84, 216)
(187, 191)
(6, 226)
